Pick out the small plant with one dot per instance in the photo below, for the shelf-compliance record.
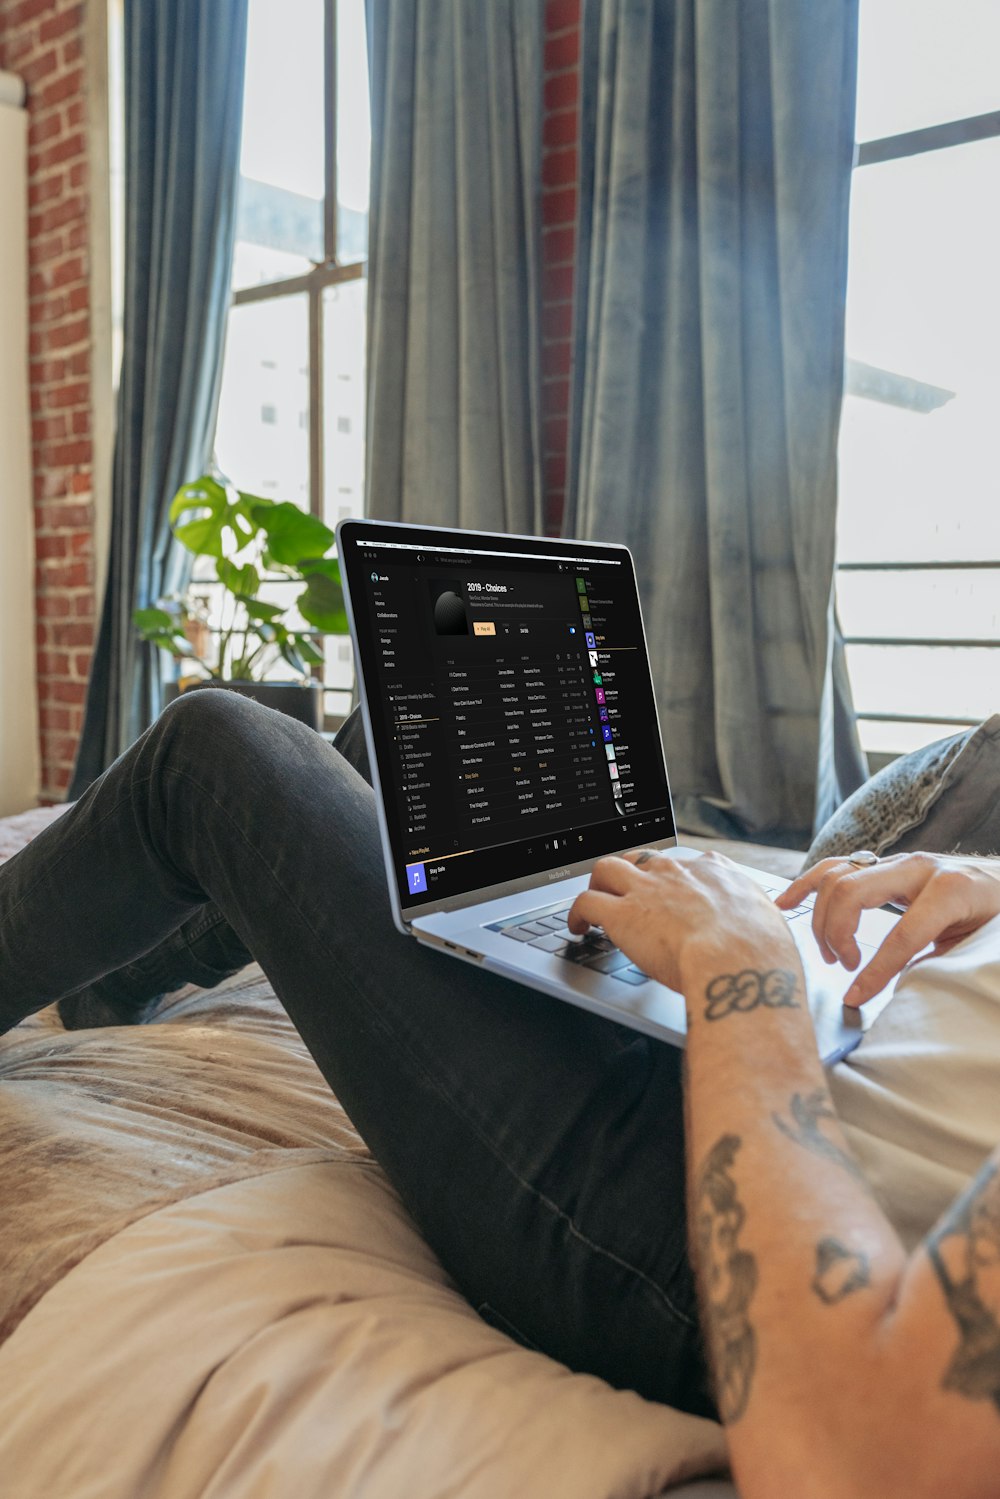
(249, 537)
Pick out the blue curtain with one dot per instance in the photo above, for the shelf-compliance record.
(454, 253)
(717, 142)
(184, 68)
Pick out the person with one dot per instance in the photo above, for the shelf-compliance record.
(852, 1333)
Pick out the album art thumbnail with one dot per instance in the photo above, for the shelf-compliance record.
(451, 614)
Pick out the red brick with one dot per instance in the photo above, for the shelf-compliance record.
(46, 189)
(82, 663)
(561, 14)
(75, 113)
(72, 393)
(80, 423)
(55, 606)
(555, 470)
(560, 128)
(562, 51)
(557, 284)
(50, 547)
(557, 359)
(562, 90)
(83, 606)
(58, 25)
(72, 633)
(559, 206)
(67, 575)
(72, 454)
(69, 692)
(556, 430)
(73, 268)
(80, 484)
(557, 322)
(60, 214)
(73, 331)
(559, 167)
(49, 429)
(27, 10)
(79, 174)
(73, 49)
(52, 663)
(556, 393)
(67, 149)
(33, 70)
(54, 719)
(42, 128)
(69, 85)
(559, 246)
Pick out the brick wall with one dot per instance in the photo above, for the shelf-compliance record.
(43, 41)
(559, 206)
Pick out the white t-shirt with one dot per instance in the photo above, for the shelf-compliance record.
(920, 1098)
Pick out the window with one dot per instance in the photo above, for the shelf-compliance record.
(296, 340)
(919, 526)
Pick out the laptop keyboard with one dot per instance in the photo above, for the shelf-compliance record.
(547, 930)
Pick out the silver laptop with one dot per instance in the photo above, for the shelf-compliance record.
(513, 737)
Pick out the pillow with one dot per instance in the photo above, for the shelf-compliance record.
(944, 797)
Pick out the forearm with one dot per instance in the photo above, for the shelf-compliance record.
(797, 1266)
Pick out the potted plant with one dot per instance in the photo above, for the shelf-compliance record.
(250, 541)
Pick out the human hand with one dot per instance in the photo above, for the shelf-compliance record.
(945, 900)
(666, 913)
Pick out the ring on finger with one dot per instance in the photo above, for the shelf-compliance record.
(862, 858)
(644, 855)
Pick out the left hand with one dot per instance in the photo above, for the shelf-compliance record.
(666, 914)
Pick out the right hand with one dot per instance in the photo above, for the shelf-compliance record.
(945, 899)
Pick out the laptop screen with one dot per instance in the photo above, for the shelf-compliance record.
(510, 703)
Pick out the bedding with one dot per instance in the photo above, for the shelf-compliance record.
(209, 1288)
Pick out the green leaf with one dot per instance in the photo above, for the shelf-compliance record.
(243, 581)
(291, 655)
(322, 604)
(153, 619)
(310, 653)
(257, 609)
(213, 518)
(292, 534)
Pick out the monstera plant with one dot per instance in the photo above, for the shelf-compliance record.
(252, 542)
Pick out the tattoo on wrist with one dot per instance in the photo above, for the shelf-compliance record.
(738, 993)
(839, 1271)
(804, 1128)
(727, 1278)
(964, 1249)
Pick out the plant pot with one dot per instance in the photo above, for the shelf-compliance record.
(300, 700)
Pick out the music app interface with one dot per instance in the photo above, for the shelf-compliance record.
(512, 709)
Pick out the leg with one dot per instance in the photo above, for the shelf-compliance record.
(203, 950)
(539, 1148)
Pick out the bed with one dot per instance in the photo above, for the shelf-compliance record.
(209, 1288)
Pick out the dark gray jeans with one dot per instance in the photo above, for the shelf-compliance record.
(539, 1148)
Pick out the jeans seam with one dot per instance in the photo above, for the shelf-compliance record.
(434, 1083)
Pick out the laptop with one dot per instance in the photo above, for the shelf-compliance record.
(513, 737)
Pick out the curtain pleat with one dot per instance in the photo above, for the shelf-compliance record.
(453, 380)
(184, 70)
(717, 148)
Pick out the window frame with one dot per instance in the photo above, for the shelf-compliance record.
(874, 152)
(330, 271)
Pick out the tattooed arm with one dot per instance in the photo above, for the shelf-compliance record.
(842, 1368)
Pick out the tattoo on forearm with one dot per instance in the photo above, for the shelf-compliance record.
(839, 1271)
(737, 993)
(804, 1127)
(964, 1250)
(727, 1278)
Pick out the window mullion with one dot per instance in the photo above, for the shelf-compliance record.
(330, 237)
(316, 399)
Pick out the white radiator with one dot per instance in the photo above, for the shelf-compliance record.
(19, 763)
